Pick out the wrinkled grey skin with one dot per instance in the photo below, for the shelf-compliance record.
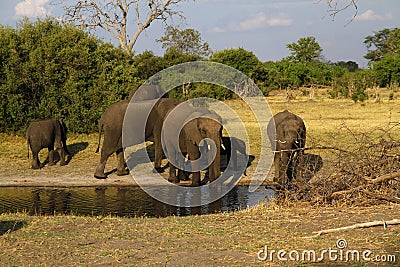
(189, 142)
(211, 127)
(111, 123)
(206, 124)
(47, 134)
(232, 145)
(289, 137)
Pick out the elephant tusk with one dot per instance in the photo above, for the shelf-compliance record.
(282, 142)
(223, 147)
(209, 147)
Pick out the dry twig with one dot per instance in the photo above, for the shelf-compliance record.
(356, 226)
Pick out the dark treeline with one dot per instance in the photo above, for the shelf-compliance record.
(49, 69)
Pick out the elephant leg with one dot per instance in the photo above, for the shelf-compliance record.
(196, 179)
(158, 150)
(61, 152)
(121, 168)
(99, 172)
(215, 168)
(228, 157)
(172, 174)
(35, 160)
(234, 159)
(51, 156)
(196, 176)
(184, 171)
(183, 175)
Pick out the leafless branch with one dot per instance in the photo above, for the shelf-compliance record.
(114, 16)
(356, 226)
(337, 6)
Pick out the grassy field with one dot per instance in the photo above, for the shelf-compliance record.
(337, 123)
(207, 240)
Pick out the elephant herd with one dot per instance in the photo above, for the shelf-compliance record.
(177, 130)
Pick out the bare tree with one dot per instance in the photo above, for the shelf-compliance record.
(336, 6)
(114, 16)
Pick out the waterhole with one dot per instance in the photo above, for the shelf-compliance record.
(116, 201)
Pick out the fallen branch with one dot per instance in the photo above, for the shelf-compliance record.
(378, 180)
(382, 196)
(315, 148)
(356, 226)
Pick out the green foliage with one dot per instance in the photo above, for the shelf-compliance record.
(349, 65)
(386, 41)
(384, 56)
(284, 74)
(387, 70)
(187, 42)
(148, 64)
(53, 70)
(246, 62)
(305, 50)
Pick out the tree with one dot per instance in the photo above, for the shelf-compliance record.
(53, 70)
(386, 41)
(187, 41)
(114, 16)
(238, 58)
(148, 64)
(305, 50)
(349, 65)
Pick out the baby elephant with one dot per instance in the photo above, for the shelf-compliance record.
(287, 134)
(234, 145)
(47, 134)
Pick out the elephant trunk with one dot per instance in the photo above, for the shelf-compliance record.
(281, 165)
(214, 169)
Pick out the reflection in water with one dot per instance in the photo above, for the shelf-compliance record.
(120, 201)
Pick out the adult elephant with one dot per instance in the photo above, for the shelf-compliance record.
(47, 134)
(192, 125)
(287, 134)
(146, 92)
(111, 123)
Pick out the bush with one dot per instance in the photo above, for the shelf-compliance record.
(52, 70)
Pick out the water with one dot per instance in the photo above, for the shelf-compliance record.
(118, 201)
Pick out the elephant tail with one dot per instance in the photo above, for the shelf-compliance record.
(28, 143)
(100, 129)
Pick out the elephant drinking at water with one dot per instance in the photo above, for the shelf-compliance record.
(185, 130)
(287, 134)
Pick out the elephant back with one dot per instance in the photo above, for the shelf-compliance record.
(146, 92)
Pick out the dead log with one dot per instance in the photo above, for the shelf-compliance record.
(356, 226)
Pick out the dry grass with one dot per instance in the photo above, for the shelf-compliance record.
(207, 240)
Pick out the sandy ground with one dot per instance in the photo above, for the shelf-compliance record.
(76, 173)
